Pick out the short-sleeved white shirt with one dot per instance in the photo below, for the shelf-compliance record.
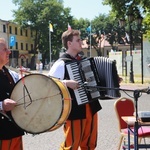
(58, 69)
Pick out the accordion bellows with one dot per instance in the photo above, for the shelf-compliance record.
(108, 75)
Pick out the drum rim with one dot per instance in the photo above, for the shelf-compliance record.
(64, 103)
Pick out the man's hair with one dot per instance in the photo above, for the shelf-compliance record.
(68, 36)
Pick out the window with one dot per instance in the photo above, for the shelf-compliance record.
(21, 46)
(10, 29)
(26, 46)
(16, 30)
(31, 47)
(4, 28)
(31, 33)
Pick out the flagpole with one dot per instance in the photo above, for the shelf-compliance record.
(50, 49)
(90, 38)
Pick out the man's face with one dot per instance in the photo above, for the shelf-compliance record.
(4, 53)
(76, 44)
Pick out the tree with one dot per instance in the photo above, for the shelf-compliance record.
(146, 26)
(135, 7)
(81, 25)
(122, 8)
(37, 15)
(101, 27)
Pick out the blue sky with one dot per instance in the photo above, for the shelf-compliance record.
(79, 8)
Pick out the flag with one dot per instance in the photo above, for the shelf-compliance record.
(50, 27)
(88, 29)
(69, 27)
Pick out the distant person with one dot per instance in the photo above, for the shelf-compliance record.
(37, 66)
(81, 127)
(10, 134)
(40, 67)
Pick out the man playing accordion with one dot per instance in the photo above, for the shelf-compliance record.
(81, 127)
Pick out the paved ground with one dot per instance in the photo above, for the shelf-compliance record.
(108, 134)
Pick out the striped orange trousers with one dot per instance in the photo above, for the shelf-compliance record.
(13, 144)
(81, 133)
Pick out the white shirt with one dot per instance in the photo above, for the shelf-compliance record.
(14, 75)
(58, 69)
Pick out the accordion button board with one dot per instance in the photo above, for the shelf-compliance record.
(82, 71)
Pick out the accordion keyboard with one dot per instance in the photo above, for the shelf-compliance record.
(86, 74)
(74, 74)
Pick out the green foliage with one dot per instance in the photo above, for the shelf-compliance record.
(122, 8)
(37, 14)
(82, 25)
(103, 23)
(146, 26)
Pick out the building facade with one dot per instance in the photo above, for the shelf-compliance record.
(20, 42)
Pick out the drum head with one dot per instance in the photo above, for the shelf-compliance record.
(38, 110)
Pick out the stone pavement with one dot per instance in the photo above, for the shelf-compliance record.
(108, 134)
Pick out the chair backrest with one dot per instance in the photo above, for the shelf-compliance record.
(123, 107)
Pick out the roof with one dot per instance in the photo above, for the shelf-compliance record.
(102, 43)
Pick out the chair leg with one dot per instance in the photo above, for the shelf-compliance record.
(121, 139)
(139, 140)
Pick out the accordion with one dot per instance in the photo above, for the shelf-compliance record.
(93, 72)
(108, 75)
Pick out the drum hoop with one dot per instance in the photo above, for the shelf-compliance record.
(63, 90)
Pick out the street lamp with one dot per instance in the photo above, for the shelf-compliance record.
(139, 23)
(122, 24)
(130, 19)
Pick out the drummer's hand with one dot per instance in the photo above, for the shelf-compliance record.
(8, 104)
(72, 84)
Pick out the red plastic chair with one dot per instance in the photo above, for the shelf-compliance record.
(125, 107)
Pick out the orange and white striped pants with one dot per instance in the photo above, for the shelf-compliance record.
(81, 133)
(13, 144)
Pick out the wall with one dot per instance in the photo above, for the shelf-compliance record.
(146, 57)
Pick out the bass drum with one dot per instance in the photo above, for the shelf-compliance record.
(43, 103)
